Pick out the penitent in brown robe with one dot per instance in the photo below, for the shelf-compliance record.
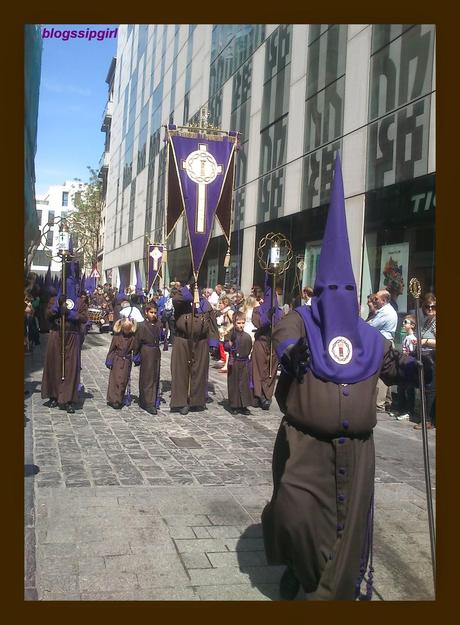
(319, 517)
(190, 354)
(264, 385)
(53, 386)
(239, 378)
(146, 344)
(120, 358)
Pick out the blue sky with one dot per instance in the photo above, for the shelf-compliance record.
(73, 95)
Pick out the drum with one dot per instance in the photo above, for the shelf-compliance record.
(94, 314)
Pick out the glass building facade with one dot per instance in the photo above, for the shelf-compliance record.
(297, 93)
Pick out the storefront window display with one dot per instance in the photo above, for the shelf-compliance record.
(399, 242)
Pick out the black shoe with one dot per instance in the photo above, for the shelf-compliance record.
(245, 411)
(51, 403)
(184, 410)
(234, 411)
(264, 404)
(70, 409)
(209, 400)
(151, 410)
(115, 405)
(289, 585)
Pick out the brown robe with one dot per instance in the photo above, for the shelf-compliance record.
(64, 391)
(323, 473)
(264, 385)
(146, 344)
(120, 357)
(239, 378)
(190, 354)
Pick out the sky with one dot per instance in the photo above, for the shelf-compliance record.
(73, 95)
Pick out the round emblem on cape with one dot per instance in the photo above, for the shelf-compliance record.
(69, 304)
(340, 350)
(201, 167)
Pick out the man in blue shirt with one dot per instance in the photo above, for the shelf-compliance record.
(385, 320)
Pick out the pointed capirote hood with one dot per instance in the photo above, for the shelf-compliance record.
(344, 348)
(139, 288)
(121, 289)
(266, 305)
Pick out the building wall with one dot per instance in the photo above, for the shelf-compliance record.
(297, 93)
(50, 206)
(33, 47)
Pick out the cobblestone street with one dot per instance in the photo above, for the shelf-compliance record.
(123, 505)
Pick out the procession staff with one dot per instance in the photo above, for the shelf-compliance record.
(195, 328)
(319, 521)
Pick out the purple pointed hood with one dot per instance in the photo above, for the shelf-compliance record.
(121, 289)
(139, 289)
(264, 308)
(344, 348)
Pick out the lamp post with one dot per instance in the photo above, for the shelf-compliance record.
(275, 263)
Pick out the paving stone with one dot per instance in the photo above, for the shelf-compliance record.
(200, 545)
(107, 581)
(196, 561)
(238, 592)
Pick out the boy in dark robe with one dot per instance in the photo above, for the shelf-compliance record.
(319, 521)
(64, 392)
(119, 361)
(196, 330)
(239, 345)
(147, 354)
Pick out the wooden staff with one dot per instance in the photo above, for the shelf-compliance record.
(414, 288)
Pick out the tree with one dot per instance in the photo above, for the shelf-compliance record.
(85, 222)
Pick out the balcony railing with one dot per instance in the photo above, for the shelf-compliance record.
(107, 115)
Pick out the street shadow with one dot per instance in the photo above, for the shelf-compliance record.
(252, 563)
(30, 470)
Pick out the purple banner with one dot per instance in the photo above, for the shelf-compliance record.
(202, 166)
(155, 258)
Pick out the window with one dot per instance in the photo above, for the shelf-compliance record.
(50, 217)
(40, 259)
(39, 216)
(49, 238)
(77, 197)
(65, 198)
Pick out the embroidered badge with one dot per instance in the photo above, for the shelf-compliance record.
(340, 350)
(69, 304)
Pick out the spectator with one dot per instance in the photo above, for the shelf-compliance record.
(385, 320)
(307, 293)
(406, 394)
(248, 306)
(371, 306)
(224, 324)
(428, 345)
(213, 298)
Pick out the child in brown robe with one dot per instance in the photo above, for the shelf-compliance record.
(147, 354)
(239, 345)
(119, 361)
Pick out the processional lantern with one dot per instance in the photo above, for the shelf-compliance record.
(274, 254)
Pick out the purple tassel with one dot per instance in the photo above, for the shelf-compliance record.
(366, 557)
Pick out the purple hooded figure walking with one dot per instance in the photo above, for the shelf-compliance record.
(319, 521)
